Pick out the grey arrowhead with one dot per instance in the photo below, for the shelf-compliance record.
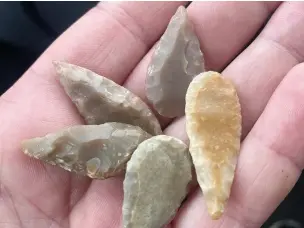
(176, 61)
(156, 182)
(98, 151)
(100, 100)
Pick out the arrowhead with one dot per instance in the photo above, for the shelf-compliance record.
(213, 123)
(156, 182)
(100, 100)
(176, 61)
(98, 151)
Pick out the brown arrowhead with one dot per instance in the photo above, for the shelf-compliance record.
(213, 123)
(176, 61)
(100, 100)
(156, 182)
(98, 151)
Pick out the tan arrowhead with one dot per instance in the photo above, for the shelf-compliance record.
(98, 151)
(156, 182)
(213, 124)
(176, 61)
(100, 100)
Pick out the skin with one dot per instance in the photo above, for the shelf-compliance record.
(264, 63)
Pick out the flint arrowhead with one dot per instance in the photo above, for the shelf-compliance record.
(100, 100)
(156, 182)
(98, 151)
(176, 61)
(213, 124)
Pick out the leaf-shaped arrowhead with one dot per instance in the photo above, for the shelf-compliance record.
(176, 61)
(213, 123)
(100, 100)
(98, 151)
(156, 182)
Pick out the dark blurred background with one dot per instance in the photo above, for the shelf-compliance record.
(28, 28)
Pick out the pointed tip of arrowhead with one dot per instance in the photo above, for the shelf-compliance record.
(64, 73)
(63, 69)
(181, 8)
(24, 146)
(181, 12)
(58, 65)
(215, 215)
(216, 208)
(29, 147)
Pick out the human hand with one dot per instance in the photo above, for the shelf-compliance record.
(113, 40)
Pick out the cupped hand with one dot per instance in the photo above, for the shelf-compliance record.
(258, 45)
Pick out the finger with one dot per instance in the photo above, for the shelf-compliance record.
(223, 28)
(263, 59)
(261, 67)
(271, 161)
(96, 210)
(258, 70)
(103, 41)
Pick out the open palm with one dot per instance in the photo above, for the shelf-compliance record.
(114, 40)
